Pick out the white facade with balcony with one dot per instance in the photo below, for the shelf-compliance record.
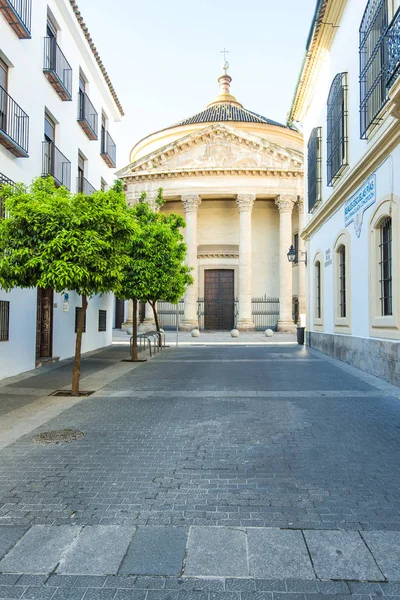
(347, 103)
(58, 116)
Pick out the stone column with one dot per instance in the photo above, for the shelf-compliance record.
(191, 202)
(245, 203)
(301, 264)
(285, 205)
(129, 319)
(151, 199)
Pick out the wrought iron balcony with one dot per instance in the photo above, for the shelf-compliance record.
(54, 163)
(108, 149)
(84, 187)
(87, 117)
(57, 69)
(18, 13)
(393, 49)
(14, 126)
(4, 181)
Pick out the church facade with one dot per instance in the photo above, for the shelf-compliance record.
(237, 178)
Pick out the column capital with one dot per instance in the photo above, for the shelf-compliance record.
(300, 204)
(285, 204)
(245, 202)
(191, 202)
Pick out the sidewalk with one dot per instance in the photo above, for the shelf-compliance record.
(217, 338)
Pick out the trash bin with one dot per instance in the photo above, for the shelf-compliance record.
(300, 335)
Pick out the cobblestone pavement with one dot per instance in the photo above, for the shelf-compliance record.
(206, 473)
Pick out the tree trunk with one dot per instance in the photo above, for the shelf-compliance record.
(153, 306)
(76, 372)
(134, 355)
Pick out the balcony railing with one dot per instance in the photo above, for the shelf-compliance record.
(108, 149)
(84, 187)
(57, 69)
(87, 116)
(54, 163)
(4, 181)
(14, 126)
(18, 13)
(393, 49)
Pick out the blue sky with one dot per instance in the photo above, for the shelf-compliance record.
(163, 56)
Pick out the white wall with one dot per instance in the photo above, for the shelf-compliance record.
(29, 88)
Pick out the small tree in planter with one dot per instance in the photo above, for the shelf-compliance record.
(155, 270)
(53, 239)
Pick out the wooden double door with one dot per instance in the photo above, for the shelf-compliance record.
(44, 323)
(219, 299)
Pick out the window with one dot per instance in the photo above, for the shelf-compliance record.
(314, 161)
(103, 185)
(102, 320)
(3, 95)
(373, 93)
(3, 75)
(342, 281)
(81, 172)
(49, 129)
(4, 321)
(318, 311)
(385, 251)
(82, 89)
(384, 269)
(336, 139)
(77, 311)
(296, 247)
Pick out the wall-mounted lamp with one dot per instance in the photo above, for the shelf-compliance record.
(292, 254)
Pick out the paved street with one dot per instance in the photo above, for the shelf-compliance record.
(209, 473)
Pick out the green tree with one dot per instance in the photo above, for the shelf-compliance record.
(155, 270)
(53, 239)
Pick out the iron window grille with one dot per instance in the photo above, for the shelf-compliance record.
(108, 149)
(77, 311)
(102, 320)
(342, 281)
(318, 290)
(4, 181)
(4, 320)
(373, 64)
(57, 165)
(393, 49)
(385, 248)
(296, 247)
(314, 173)
(14, 126)
(336, 121)
(87, 116)
(18, 13)
(57, 69)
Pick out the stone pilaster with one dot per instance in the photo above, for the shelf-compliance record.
(129, 318)
(301, 263)
(149, 323)
(245, 204)
(151, 199)
(191, 203)
(285, 205)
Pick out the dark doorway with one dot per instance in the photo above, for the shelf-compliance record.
(44, 323)
(119, 312)
(219, 299)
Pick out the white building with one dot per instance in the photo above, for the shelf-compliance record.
(58, 111)
(348, 102)
(236, 177)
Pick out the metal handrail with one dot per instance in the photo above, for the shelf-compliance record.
(108, 147)
(14, 122)
(88, 113)
(55, 61)
(84, 187)
(57, 165)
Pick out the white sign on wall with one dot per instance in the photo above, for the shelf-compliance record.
(355, 207)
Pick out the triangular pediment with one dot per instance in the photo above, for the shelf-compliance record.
(216, 147)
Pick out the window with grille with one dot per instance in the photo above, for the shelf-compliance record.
(77, 311)
(4, 181)
(336, 121)
(318, 311)
(314, 162)
(385, 252)
(102, 320)
(342, 281)
(4, 320)
(373, 93)
(296, 247)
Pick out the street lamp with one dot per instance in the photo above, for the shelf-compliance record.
(292, 254)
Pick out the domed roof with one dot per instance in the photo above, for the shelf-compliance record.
(225, 107)
(227, 112)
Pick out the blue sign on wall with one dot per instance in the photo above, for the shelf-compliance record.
(355, 207)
